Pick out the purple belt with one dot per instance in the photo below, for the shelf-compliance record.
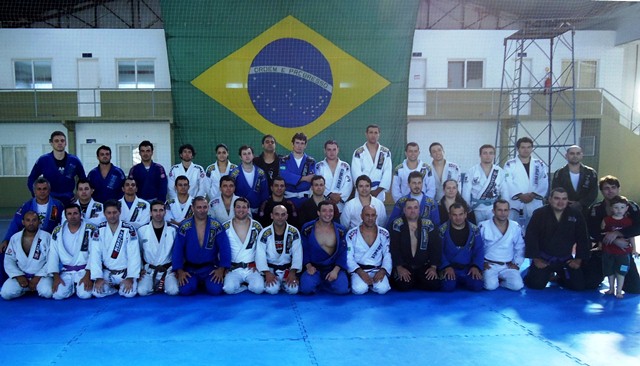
(74, 268)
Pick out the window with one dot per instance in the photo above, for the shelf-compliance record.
(128, 156)
(465, 74)
(14, 160)
(136, 74)
(32, 74)
(586, 73)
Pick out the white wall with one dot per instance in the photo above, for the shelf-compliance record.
(65, 46)
(33, 135)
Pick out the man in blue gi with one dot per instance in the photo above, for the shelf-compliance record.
(298, 169)
(59, 168)
(106, 179)
(201, 252)
(462, 251)
(251, 181)
(324, 254)
(150, 177)
(428, 207)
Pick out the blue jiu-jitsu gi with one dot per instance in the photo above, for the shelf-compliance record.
(428, 210)
(62, 183)
(295, 190)
(152, 183)
(324, 263)
(109, 188)
(462, 258)
(256, 192)
(55, 210)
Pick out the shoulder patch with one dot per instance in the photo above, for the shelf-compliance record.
(396, 170)
(294, 232)
(54, 233)
(265, 235)
(397, 224)
(358, 151)
(428, 224)
(443, 228)
(384, 150)
(227, 225)
(256, 225)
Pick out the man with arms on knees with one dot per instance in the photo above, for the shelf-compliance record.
(135, 211)
(411, 164)
(428, 207)
(243, 232)
(368, 257)
(106, 178)
(277, 198)
(69, 256)
(251, 181)
(578, 180)
(59, 168)
(221, 207)
(297, 169)
(324, 253)
(443, 170)
(549, 241)
(503, 249)
(279, 254)
(462, 251)
(526, 182)
(351, 215)
(156, 240)
(374, 161)
(201, 252)
(186, 167)
(114, 255)
(416, 250)
(179, 208)
(25, 260)
(336, 174)
(483, 184)
(150, 177)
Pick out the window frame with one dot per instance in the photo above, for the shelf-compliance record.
(34, 84)
(137, 84)
(465, 72)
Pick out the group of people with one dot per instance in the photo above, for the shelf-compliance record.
(290, 223)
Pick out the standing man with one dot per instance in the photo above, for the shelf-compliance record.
(156, 240)
(374, 161)
(416, 250)
(59, 168)
(297, 169)
(150, 177)
(217, 170)
(279, 254)
(243, 232)
(443, 170)
(191, 170)
(351, 216)
(462, 251)
(221, 207)
(336, 174)
(90, 210)
(114, 256)
(69, 256)
(269, 160)
(251, 181)
(135, 211)
(412, 163)
(428, 207)
(324, 252)
(579, 180)
(368, 257)
(503, 249)
(178, 209)
(277, 198)
(526, 182)
(483, 184)
(25, 261)
(553, 231)
(201, 252)
(106, 178)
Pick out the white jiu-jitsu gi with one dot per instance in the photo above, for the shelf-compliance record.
(18, 263)
(450, 171)
(218, 211)
(279, 257)
(94, 213)
(370, 258)
(400, 187)
(115, 257)
(69, 257)
(139, 214)
(500, 250)
(337, 182)
(350, 216)
(156, 254)
(243, 261)
(379, 170)
(196, 176)
(213, 174)
(516, 182)
(481, 191)
(177, 211)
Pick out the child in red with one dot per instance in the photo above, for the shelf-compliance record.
(616, 256)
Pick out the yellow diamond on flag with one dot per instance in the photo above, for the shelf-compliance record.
(290, 79)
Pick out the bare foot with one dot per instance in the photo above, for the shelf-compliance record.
(620, 296)
(610, 292)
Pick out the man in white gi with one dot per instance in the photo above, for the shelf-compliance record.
(443, 170)
(243, 238)
(25, 260)
(217, 170)
(526, 182)
(134, 210)
(156, 240)
(374, 161)
(412, 163)
(221, 206)
(91, 210)
(191, 170)
(503, 249)
(352, 213)
(368, 257)
(179, 208)
(336, 174)
(483, 184)
(279, 254)
(69, 255)
(114, 255)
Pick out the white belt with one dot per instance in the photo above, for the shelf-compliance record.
(304, 194)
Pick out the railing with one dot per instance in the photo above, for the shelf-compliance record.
(76, 103)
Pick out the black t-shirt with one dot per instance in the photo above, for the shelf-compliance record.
(61, 163)
(279, 239)
(158, 232)
(460, 237)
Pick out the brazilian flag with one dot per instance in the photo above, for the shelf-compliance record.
(242, 69)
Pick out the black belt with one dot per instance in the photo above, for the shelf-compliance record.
(367, 266)
(116, 272)
(458, 265)
(197, 266)
(282, 267)
(496, 262)
(236, 265)
(161, 267)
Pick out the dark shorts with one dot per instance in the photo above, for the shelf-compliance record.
(615, 264)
